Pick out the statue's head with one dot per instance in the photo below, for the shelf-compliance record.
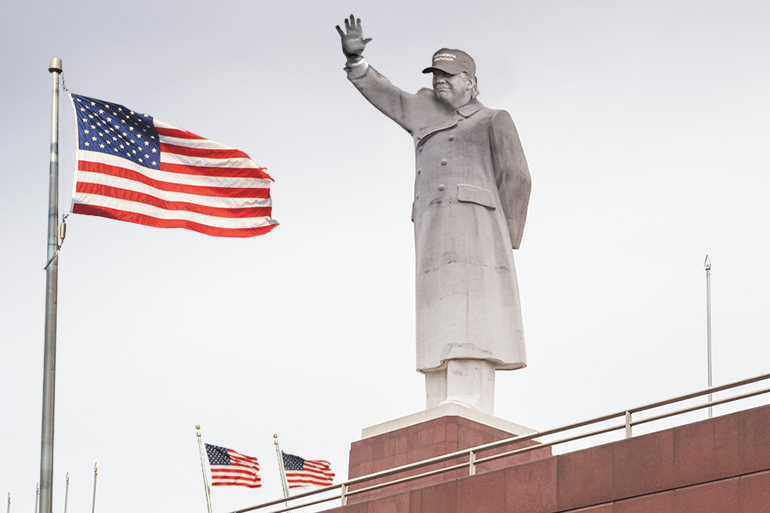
(454, 77)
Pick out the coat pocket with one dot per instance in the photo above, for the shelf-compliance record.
(473, 194)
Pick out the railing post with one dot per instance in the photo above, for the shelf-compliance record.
(472, 466)
(344, 494)
(628, 425)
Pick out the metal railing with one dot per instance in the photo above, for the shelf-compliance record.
(342, 491)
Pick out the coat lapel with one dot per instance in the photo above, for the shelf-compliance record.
(443, 123)
(449, 120)
(470, 108)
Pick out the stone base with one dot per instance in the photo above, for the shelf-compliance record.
(447, 410)
(435, 432)
(470, 383)
(720, 465)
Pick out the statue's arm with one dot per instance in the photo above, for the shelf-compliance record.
(404, 108)
(511, 173)
(401, 107)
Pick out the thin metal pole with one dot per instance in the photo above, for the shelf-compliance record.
(9, 502)
(67, 492)
(203, 469)
(93, 501)
(629, 429)
(285, 485)
(37, 497)
(707, 266)
(51, 279)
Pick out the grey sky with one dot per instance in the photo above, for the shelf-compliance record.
(645, 126)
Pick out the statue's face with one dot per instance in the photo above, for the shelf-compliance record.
(452, 90)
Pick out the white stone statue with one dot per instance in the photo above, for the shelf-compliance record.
(470, 204)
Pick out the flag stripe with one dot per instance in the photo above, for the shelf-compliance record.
(318, 464)
(194, 143)
(165, 129)
(233, 471)
(234, 456)
(138, 218)
(257, 180)
(299, 476)
(161, 214)
(236, 172)
(307, 482)
(234, 190)
(131, 185)
(309, 474)
(138, 197)
(209, 153)
(237, 482)
(192, 160)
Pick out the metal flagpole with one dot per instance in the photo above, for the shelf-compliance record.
(707, 266)
(51, 278)
(203, 469)
(9, 502)
(283, 470)
(93, 501)
(37, 496)
(67, 492)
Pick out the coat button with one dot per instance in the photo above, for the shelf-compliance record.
(443, 162)
(441, 187)
(419, 171)
(417, 196)
(451, 137)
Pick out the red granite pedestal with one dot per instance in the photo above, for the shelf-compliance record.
(719, 465)
(438, 436)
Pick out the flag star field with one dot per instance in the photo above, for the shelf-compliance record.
(114, 129)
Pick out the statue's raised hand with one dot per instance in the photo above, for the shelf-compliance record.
(353, 42)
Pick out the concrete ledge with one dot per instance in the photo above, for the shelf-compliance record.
(445, 410)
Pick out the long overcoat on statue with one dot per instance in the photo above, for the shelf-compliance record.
(471, 194)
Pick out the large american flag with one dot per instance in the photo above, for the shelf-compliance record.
(232, 468)
(135, 168)
(302, 472)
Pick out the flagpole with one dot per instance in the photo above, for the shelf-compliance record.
(51, 278)
(282, 470)
(203, 469)
(707, 266)
(93, 501)
(37, 496)
(67, 492)
(9, 502)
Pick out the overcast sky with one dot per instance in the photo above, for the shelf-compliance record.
(645, 124)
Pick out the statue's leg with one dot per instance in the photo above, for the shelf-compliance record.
(435, 388)
(467, 382)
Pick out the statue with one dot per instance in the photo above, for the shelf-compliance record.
(470, 204)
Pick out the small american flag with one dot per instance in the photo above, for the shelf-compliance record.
(302, 472)
(134, 168)
(232, 468)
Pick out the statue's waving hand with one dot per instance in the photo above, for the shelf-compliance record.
(353, 42)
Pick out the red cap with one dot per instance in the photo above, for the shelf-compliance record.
(453, 62)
